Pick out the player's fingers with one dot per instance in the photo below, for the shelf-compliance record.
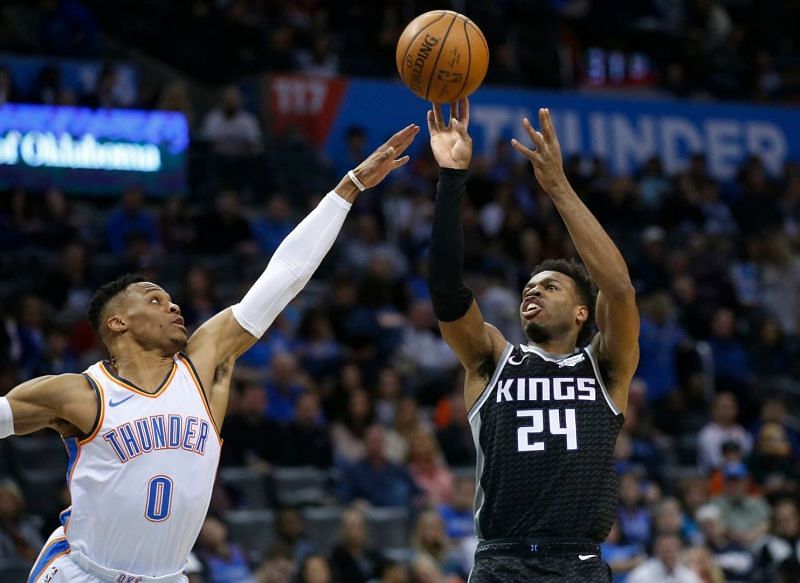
(387, 154)
(461, 129)
(454, 110)
(464, 111)
(400, 148)
(525, 151)
(431, 122)
(401, 136)
(536, 137)
(437, 116)
(546, 123)
(400, 162)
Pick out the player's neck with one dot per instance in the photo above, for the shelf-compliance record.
(144, 369)
(555, 346)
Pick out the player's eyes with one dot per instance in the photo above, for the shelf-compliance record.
(551, 286)
(154, 300)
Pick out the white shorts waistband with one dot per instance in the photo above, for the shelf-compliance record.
(114, 576)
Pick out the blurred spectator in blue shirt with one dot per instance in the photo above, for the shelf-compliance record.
(283, 387)
(271, 228)
(634, 518)
(376, 480)
(621, 557)
(129, 219)
(225, 561)
(659, 339)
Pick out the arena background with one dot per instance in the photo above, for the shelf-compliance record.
(184, 139)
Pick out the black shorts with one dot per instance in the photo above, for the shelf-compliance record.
(512, 566)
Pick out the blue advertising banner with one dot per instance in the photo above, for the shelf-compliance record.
(93, 151)
(625, 132)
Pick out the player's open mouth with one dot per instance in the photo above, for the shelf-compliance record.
(531, 308)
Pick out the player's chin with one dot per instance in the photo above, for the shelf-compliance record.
(535, 331)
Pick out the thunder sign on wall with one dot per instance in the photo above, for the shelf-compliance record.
(625, 132)
(92, 151)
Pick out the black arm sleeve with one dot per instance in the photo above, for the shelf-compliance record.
(450, 296)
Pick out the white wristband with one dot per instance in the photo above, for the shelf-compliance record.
(6, 418)
(359, 185)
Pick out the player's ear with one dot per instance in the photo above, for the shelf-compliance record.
(116, 323)
(581, 314)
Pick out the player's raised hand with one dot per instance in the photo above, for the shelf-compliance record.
(386, 158)
(546, 158)
(451, 144)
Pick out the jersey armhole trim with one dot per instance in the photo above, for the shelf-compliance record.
(596, 367)
(198, 383)
(101, 409)
(501, 363)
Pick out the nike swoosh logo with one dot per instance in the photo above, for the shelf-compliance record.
(584, 557)
(111, 402)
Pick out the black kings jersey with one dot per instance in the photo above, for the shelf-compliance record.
(544, 431)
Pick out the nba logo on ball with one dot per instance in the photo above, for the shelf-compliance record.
(442, 56)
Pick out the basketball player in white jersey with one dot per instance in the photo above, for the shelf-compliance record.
(142, 428)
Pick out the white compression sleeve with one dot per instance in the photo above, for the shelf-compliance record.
(292, 265)
(6, 418)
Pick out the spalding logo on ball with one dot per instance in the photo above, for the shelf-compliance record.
(442, 56)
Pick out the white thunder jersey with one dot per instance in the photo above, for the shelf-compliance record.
(141, 482)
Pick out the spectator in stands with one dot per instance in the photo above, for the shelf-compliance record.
(59, 223)
(28, 333)
(731, 454)
(458, 517)
(731, 362)
(634, 518)
(771, 463)
(351, 561)
(622, 558)
(427, 468)
(782, 544)
(349, 434)
(276, 567)
(377, 480)
(388, 393)
(58, 357)
(735, 560)
(393, 572)
(291, 531)
(745, 516)
(225, 561)
(430, 539)
(319, 352)
(773, 410)
(314, 569)
(175, 97)
(660, 337)
(283, 387)
(665, 566)
(128, 219)
(722, 427)
(702, 563)
(19, 535)
(233, 131)
(669, 519)
(199, 302)
(251, 437)
(455, 437)
(308, 440)
(271, 228)
(224, 230)
(320, 60)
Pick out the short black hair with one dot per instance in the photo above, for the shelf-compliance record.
(107, 293)
(584, 286)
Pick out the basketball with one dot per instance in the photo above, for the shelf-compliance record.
(442, 56)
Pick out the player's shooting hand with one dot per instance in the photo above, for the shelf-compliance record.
(386, 158)
(546, 158)
(451, 144)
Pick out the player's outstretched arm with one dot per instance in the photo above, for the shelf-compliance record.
(66, 403)
(234, 330)
(616, 313)
(476, 344)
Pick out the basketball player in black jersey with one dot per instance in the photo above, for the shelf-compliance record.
(544, 415)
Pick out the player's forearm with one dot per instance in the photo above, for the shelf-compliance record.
(293, 263)
(450, 296)
(601, 256)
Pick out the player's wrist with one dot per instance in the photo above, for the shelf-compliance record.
(347, 189)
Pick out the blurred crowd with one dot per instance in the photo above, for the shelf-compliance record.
(353, 378)
(730, 49)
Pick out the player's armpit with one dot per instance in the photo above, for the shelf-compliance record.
(618, 340)
(52, 401)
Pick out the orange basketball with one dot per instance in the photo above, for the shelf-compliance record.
(442, 56)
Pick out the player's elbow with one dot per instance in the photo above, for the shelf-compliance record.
(622, 291)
